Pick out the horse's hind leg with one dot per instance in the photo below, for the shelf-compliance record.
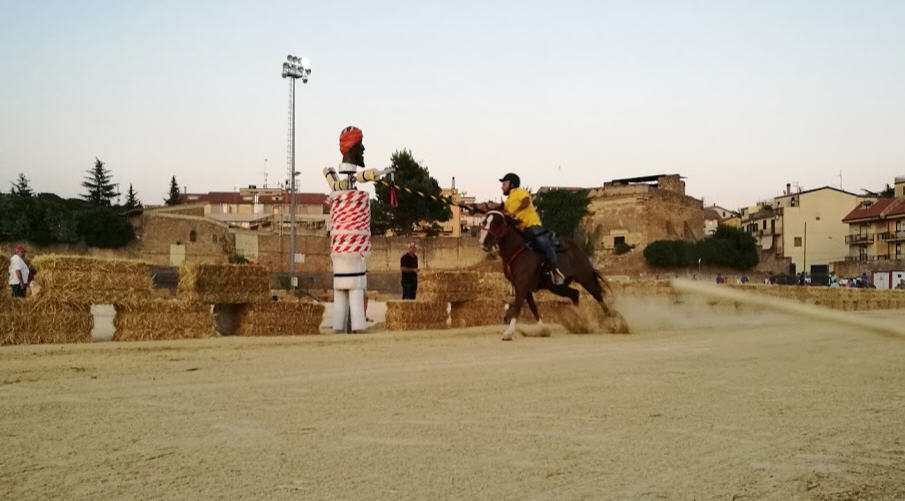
(614, 322)
(565, 291)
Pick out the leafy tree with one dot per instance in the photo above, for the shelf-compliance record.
(99, 183)
(46, 219)
(561, 211)
(21, 187)
(101, 227)
(132, 200)
(173, 198)
(412, 208)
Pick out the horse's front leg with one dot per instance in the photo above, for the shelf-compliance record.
(533, 306)
(513, 313)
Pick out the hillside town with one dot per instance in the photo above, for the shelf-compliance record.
(823, 230)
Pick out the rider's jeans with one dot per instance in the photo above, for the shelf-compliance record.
(542, 239)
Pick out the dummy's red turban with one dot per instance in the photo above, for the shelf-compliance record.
(349, 137)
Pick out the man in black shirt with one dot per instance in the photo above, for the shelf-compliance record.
(409, 267)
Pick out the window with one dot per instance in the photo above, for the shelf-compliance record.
(765, 224)
(193, 236)
(797, 241)
(618, 241)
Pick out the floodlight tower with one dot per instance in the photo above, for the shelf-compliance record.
(294, 68)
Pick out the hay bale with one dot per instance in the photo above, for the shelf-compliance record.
(156, 319)
(89, 280)
(416, 315)
(476, 312)
(45, 320)
(223, 283)
(452, 286)
(280, 318)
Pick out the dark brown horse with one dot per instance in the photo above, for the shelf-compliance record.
(525, 268)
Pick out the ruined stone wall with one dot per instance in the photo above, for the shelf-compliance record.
(433, 253)
(642, 218)
(673, 216)
(672, 184)
(212, 243)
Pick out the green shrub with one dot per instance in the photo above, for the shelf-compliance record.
(729, 246)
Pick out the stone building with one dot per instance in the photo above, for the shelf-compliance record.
(637, 211)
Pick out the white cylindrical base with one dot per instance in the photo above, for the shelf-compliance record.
(349, 303)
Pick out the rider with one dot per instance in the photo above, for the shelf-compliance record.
(518, 205)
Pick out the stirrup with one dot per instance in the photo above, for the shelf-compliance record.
(557, 277)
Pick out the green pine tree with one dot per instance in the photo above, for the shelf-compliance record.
(173, 198)
(21, 187)
(99, 183)
(132, 200)
(412, 209)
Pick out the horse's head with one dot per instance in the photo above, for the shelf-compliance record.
(495, 225)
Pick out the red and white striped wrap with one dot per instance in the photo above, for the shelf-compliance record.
(350, 213)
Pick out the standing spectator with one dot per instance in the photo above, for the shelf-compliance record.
(743, 280)
(719, 278)
(18, 273)
(408, 265)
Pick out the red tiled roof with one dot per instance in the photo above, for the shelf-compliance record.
(880, 209)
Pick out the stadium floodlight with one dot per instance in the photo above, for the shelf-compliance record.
(294, 68)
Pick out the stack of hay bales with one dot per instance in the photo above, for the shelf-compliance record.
(897, 299)
(450, 286)
(486, 311)
(43, 320)
(224, 283)
(280, 318)
(154, 319)
(88, 280)
(416, 315)
(475, 298)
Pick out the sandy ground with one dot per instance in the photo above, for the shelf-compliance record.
(698, 404)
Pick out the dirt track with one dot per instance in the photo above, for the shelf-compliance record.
(749, 407)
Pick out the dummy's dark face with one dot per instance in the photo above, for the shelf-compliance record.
(357, 154)
(506, 187)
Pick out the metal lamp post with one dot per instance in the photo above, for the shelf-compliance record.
(294, 68)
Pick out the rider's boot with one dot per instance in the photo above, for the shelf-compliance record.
(557, 277)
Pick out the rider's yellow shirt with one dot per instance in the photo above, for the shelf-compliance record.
(528, 216)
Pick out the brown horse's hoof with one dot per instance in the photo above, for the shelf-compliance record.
(507, 336)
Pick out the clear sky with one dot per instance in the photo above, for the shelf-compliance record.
(740, 97)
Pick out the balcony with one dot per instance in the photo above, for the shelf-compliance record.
(891, 236)
(859, 239)
(868, 258)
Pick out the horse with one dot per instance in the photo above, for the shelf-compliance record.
(526, 270)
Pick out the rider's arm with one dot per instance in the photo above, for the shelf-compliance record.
(522, 206)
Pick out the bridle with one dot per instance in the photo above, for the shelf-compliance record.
(498, 234)
(487, 229)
